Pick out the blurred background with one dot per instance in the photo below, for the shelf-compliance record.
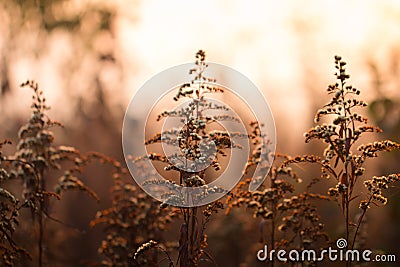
(91, 56)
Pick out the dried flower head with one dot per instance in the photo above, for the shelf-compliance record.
(341, 130)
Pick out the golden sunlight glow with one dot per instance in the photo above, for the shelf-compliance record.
(270, 42)
(285, 47)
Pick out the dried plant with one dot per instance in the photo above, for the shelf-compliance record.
(133, 219)
(346, 165)
(294, 214)
(135, 224)
(10, 252)
(201, 143)
(292, 219)
(35, 158)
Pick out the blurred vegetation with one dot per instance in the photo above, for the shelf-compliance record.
(385, 108)
(93, 119)
(84, 30)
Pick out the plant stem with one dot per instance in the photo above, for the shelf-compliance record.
(192, 235)
(360, 219)
(42, 187)
(183, 240)
(40, 241)
(273, 238)
(348, 263)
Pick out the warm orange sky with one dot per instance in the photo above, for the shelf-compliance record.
(282, 46)
(268, 41)
(262, 39)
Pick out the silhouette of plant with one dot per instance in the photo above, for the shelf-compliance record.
(9, 211)
(133, 219)
(33, 163)
(294, 215)
(201, 143)
(341, 161)
(135, 225)
(291, 219)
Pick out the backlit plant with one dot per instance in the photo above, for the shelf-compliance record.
(202, 143)
(288, 220)
(135, 226)
(34, 164)
(133, 219)
(341, 132)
